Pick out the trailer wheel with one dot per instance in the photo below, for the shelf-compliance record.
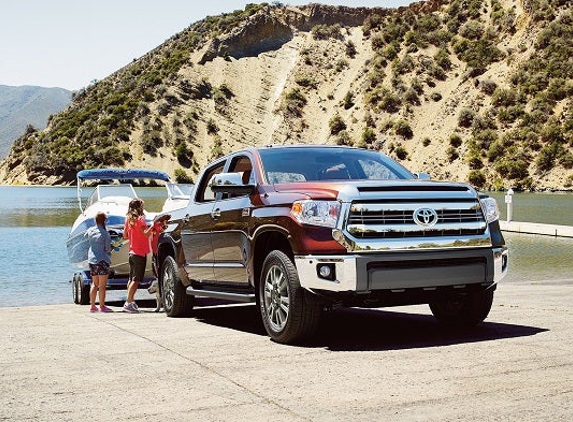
(80, 293)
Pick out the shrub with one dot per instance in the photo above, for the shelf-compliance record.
(472, 30)
(305, 81)
(183, 153)
(403, 129)
(411, 96)
(455, 140)
(436, 96)
(350, 49)
(546, 159)
(452, 153)
(151, 141)
(442, 59)
(406, 65)
(505, 97)
(513, 169)
(324, 32)
(336, 124)
(401, 152)
(495, 151)
(466, 117)
(426, 141)
(368, 135)
(487, 86)
(475, 162)
(294, 102)
(477, 178)
(566, 160)
(181, 176)
(212, 127)
(348, 101)
(343, 138)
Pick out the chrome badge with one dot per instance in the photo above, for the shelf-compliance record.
(425, 217)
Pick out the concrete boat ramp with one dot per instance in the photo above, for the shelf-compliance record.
(537, 228)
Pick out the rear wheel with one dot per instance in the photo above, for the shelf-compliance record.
(176, 301)
(80, 293)
(289, 313)
(463, 310)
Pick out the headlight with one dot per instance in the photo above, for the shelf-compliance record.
(316, 213)
(490, 209)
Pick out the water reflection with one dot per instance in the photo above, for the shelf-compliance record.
(538, 207)
(539, 259)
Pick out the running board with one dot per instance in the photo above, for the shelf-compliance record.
(236, 297)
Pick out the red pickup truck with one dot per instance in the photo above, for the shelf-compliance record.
(304, 229)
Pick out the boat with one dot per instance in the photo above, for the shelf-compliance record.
(110, 190)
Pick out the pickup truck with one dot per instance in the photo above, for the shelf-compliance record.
(301, 230)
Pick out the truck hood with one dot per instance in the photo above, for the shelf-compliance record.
(364, 189)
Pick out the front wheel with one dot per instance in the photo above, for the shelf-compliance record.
(288, 312)
(466, 311)
(175, 299)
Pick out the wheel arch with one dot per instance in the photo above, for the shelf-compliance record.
(266, 242)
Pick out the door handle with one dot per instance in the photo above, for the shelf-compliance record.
(216, 213)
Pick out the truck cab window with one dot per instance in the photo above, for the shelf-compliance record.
(204, 193)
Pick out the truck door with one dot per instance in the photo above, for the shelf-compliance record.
(231, 245)
(196, 232)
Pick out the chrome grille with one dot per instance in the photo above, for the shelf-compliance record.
(396, 220)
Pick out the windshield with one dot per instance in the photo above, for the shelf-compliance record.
(303, 164)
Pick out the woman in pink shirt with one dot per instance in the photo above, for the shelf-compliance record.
(137, 232)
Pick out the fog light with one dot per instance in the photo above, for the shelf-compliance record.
(326, 271)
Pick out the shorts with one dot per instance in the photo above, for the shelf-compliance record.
(137, 265)
(101, 268)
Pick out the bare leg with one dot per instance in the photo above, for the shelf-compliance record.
(131, 289)
(94, 289)
(102, 289)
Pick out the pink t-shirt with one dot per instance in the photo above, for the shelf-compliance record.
(138, 242)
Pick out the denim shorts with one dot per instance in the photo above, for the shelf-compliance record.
(101, 268)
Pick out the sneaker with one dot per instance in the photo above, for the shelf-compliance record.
(93, 309)
(105, 309)
(130, 308)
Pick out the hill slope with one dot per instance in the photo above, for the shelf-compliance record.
(27, 105)
(472, 90)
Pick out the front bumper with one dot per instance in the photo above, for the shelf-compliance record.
(364, 273)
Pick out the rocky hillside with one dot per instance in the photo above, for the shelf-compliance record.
(21, 106)
(468, 90)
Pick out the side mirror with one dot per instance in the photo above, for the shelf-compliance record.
(422, 176)
(231, 183)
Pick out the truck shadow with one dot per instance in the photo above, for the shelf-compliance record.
(355, 329)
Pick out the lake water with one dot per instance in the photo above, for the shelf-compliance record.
(35, 222)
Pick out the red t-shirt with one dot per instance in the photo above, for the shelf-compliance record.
(138, 242)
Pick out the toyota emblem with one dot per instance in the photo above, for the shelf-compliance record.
(425, 217)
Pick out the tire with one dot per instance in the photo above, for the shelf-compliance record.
(289, 313)
(80, 293)
(463, 311)
(176, 301)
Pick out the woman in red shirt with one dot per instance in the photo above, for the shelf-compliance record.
(137, 232)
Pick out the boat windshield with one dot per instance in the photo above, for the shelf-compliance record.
(179, 190)
(110, 191)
